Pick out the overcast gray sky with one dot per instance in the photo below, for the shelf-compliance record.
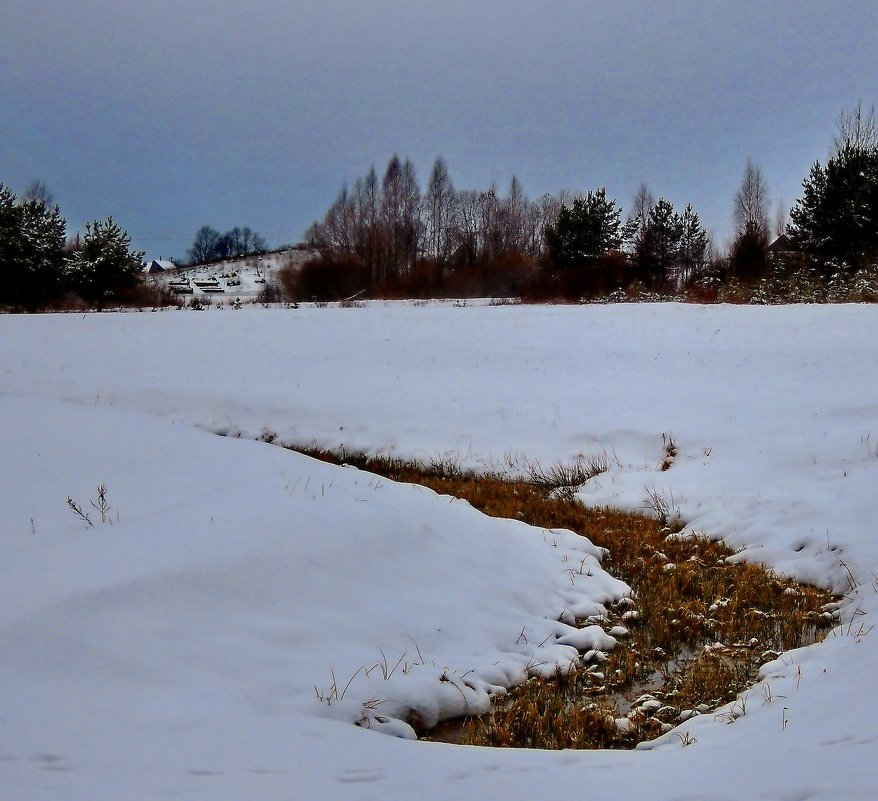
(172, 114)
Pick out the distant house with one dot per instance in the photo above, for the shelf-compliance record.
(782, 245)
(783, 253)
(159, 266)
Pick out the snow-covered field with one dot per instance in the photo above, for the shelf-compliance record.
(177, 650)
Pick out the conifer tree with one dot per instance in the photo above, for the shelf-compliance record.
(836, 219)
(749, 254)
(693, 248)
(31, 252)
(10, 244)
(10, 229)
(44, 233)
(584, 231)
(105, 264)
(657, 247)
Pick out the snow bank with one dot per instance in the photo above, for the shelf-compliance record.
(232, 579)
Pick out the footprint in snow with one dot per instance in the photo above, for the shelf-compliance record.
(357, 776)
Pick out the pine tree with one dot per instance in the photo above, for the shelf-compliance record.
(657, 247)
(749, 257)
(10, 245)
(105, 264)
(44, 233)
(836, 220)
(583, 232)
(749, 254)
(31, 252)
(693, 247)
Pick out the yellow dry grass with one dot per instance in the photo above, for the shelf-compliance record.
(704, 621)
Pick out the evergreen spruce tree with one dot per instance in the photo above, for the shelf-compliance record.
(104, 265)
(836, 219)
(10, 244)
(749, 257)
(693, 248)
(32, 237)
(583, 232)
(44, 233)
(657, 247)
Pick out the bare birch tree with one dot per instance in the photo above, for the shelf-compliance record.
(751, 201)
(781, 218)
(857, 129)
(439, 204)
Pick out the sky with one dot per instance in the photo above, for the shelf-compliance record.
(172, 115)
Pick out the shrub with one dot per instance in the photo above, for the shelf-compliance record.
(505, 276)
(426, 280)
(327, 277)
(272, 292)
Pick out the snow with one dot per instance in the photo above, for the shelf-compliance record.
(241, 278)
(174, 650)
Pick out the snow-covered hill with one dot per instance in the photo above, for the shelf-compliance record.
(243, 277)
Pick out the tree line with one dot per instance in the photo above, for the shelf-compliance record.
(43, 269)
(385, 236)
(210, 245)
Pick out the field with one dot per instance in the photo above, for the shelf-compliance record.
(190, 611)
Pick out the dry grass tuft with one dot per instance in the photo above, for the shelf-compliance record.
(700, 623)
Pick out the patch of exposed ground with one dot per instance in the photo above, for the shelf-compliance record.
(692, 635)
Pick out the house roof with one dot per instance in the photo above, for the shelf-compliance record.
(159, 266)
(781, 245)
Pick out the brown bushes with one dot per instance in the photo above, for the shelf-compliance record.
(505, 276)
(327, 277)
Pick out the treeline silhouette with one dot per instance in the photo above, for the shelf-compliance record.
(386, 237)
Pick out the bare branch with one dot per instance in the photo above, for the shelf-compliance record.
(857, 128)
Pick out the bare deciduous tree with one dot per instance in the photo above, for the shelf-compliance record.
(514, 218)
(750, 245)
(781, 218)
(391, 216)
(857, 128)
(640, 208)
(751, 201)
(204, 247)
(439, 207)
(412, 228)
(400, 218)
(466, 235)
(370, 201)
(491, 229)
(38, 192)
(643, 202)
(244, 241)
(540, 214)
